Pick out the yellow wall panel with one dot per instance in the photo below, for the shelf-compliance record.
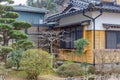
(88, 56)
(108, 0)
(100, 39)
(118, 1)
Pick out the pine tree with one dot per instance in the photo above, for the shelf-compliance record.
(10, 28)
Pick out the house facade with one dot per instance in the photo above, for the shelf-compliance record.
(98, 21)
(32, 15)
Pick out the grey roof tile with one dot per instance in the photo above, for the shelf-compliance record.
(84, 5)
(29, 9)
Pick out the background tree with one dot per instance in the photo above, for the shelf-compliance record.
(52, 5)
(8, 1)
(48, 4)
(9, 28)
(51, 37)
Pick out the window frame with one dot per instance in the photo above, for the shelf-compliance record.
(74, 31)
(116, 42)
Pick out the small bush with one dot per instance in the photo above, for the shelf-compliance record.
(35, 62)
(9, 64)
(69, 70)
(91, 69)
(68, 61)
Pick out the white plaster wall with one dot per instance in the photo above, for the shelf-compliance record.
(75, 19)
(108, 18)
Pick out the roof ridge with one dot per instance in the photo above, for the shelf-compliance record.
(84, 5)
(29, 9)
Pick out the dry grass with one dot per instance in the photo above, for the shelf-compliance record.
(50, 77)
(21, 75)
(16, 75)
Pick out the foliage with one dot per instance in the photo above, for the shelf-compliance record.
(10, 14)
(14, 58)
(9, 1)
(9, 28)
(17, 34)
(1, 38)
(3, 71)
(25, 44)
(4, 50)
(35, 62)
(70, 69)
(48, 4)
(9, 64)
(5, 27)
(91, 69)
(68, 61)
(21, 25)
(80, 44)
(6, 20)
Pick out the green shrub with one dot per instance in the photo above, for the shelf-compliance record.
(80, 45)
(35, 62)
(9, 64)
(3, 71)
(68, 61)
(4, 51)
(70, 69)
(91, 69)
(14, 58)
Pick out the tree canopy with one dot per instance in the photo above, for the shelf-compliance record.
(48, 4)
(10, 29)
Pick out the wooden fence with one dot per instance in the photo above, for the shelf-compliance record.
(107, 60)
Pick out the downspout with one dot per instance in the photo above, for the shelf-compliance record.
(93, 21)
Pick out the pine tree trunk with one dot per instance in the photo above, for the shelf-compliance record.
(5, 39)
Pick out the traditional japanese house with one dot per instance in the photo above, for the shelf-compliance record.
(33, 15)
(98, 21)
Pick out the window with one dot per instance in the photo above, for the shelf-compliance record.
(113, 39)
(74, 33)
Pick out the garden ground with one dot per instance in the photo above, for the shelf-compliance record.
(21, 75)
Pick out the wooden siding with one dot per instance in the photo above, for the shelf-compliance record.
(108, 0)
(65, 54)
(107, 56)
(89, 36)
(118, 1)
(32, 18)
(100, 39)
(88, 56)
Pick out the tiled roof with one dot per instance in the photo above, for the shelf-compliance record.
(29, 9)
(85, 5)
